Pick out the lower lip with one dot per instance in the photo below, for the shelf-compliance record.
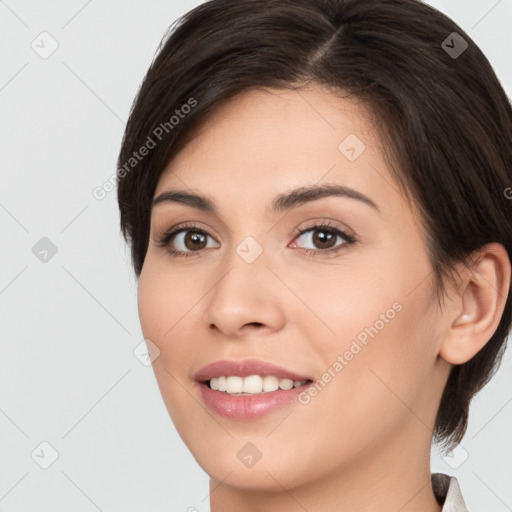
(249, 407)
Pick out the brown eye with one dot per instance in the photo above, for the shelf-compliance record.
(194, 240)
(323, 238)
(189, 240)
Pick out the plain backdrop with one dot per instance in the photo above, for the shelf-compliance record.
(73, 396)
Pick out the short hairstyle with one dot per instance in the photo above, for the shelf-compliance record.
(443, 116)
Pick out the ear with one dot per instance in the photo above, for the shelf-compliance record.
(477, 304)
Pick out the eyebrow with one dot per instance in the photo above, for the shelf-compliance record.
(283, 202)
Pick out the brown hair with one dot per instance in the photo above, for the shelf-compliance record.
(445, 119)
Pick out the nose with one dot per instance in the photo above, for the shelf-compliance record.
(247, 298)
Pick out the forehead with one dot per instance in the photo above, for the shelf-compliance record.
(264, 141)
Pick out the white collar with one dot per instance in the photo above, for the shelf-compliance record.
(447, 492)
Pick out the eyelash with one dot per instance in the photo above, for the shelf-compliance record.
(326, 226)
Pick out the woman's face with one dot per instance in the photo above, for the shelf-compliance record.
(357, 318)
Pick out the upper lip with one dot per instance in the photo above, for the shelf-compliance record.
(244, 369)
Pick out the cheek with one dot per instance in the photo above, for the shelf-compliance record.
(373, 328)
(389, 354)
(152, 304)
(163, 303)
(345, 303)
(164, 298)
(376, 384)
(160, 306)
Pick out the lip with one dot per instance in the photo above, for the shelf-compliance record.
(244, 369)
(248, 407)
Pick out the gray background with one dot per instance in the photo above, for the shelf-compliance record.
(68, 374)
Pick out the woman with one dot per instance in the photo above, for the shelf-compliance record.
(315, 194)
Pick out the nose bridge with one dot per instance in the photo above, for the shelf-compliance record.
(241, 294)
(246, 274)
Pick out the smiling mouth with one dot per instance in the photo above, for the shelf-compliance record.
(252, 385)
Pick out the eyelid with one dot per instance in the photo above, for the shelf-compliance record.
(343, 230)
(167, 234)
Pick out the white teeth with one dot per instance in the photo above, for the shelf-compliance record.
(234, 384)
(286, 383)
(221, 383)
(253, 384)
(270, 383)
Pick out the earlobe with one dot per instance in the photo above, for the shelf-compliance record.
(480, 297)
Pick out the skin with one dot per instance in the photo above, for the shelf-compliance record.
(363, 443)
